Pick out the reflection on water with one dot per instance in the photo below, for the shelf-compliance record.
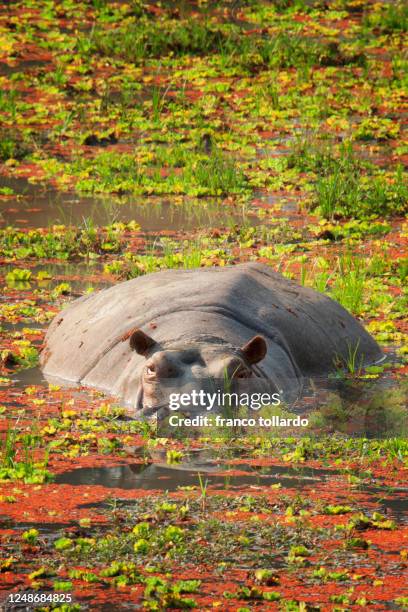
(43, 208)
(364, 408)
(164, 478)
(81, 276)
(61, 269)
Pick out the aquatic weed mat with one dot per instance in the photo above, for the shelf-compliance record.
(95, 505)
(234, 537)
(297, 101)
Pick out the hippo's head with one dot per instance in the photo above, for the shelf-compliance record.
(193, 365)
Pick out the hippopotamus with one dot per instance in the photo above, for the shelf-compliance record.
(183, 327)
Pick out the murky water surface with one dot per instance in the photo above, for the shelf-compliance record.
(169, 478)
(39, 207)
(224, 476)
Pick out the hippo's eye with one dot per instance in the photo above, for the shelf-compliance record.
(150, 370)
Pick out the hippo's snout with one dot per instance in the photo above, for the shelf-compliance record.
(159, 367)
(191, 369)
(160, 375)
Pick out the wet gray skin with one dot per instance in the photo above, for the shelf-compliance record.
(180, 330)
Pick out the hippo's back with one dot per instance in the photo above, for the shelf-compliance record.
(176, 304)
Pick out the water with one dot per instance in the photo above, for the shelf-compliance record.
(43, 208)
(159, 477)
(80, 275)
(162, 477)
(393, 503)
(28, 378)
(22, 66)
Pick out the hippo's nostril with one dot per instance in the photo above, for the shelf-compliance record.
(150, 369)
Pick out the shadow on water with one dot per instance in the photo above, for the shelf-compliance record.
(44, 208)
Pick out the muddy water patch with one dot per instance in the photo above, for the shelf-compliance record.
(24, 66)
(391, 501)
(45, 529)
(164, 478)
(224, 476)
(28, 378)
(82, 276)
(45, 208)
(285, 204)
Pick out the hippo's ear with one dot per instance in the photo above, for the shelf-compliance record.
(140, 342)
(255, 349)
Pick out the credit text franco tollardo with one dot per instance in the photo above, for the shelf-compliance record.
(208, 401)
